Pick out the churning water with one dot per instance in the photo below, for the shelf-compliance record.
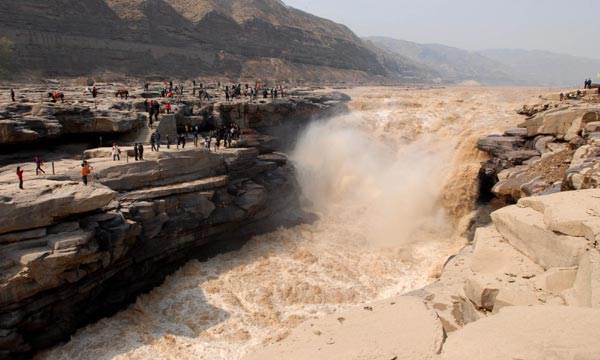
(393, 184)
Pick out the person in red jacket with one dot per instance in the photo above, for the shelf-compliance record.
(20, 176)
(168, 107)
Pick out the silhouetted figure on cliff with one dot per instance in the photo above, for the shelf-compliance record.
(20, 176)
(141, 151)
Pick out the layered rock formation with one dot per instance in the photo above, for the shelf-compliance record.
(72, 254)
(68, 249)
(248, 39)
(554, 149)
(33, 118)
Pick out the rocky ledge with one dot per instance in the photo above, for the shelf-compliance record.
(72, 254)
(33, 118)
(554, 150)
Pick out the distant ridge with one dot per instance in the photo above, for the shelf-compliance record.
(493, 67)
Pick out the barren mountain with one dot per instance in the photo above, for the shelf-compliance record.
(233, 38)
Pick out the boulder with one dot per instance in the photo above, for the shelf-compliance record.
(509, 189)
(22, 235)
(46, 202)
(519, 132)
(540, 144)
(482, 291)
(525, 229)
(586, 290)
(446, 296)
(376, 331)
(573, 213)
(584, 172)
(499, 146)
(556, 280)
(592, 127)
(492, 254)
(557, 122)
(532, 333)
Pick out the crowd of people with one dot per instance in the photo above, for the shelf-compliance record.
(253, 92)
(224, 136)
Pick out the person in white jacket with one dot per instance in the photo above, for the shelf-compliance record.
(116, 152)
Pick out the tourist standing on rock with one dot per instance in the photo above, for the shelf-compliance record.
(141, 151)
(20, 176)
(157, 140)
(168, 107)
(38, 165)
(146, 105)
(153, 142)
(156, 107)
(135, 151)
(207, 143)
(85, 171)
(227, 93)
(12, 95)
(94, 92)
(168, 141)
(116, 152)
(182, 141)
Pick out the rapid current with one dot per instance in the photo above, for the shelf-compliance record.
(393, 184)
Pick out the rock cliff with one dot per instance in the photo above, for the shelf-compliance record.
(71, 254)
(554, 149)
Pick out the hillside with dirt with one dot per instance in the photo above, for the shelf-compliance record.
(187, 38)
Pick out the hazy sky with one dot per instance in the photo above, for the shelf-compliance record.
(571, 27)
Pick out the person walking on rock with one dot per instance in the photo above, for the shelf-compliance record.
(182, 141)
(12, 95)
(141, 151)
(150, 113)
(38, 166)
(157, 140)
(85, 171)
(153, 142)
(116, 152)
(156, 107)
(20, 176)
(135, 151)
